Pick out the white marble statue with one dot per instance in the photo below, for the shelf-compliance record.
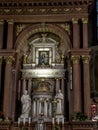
(26, 105)
(59, 98)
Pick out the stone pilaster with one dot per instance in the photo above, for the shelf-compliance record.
(76, 83)
(85, 32)
(86, 76)
(7, 86)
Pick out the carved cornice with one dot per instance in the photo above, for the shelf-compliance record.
(25, 3)
(33, 7)
(42, 10)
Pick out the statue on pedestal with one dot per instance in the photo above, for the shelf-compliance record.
(59, 98)
(26, 105)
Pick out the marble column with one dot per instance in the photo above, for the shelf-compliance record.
(10, 34)
(37, 107)
(86, 76)
(76, 43)
(29, 86)
(0, 71)
(40, 106)
(57, 84)
(63, 91)
(50, 108)
(76, 83)
(45, 107)
(1, 33)
(34, 108)
(85, 32)
(24, 85)
(7, 93)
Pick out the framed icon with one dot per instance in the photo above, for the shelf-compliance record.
(43, 58)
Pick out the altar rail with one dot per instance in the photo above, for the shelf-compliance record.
(87, 125)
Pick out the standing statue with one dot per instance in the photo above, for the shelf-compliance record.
(26, 105)
(59, 98)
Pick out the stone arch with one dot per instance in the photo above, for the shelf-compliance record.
(24, 35)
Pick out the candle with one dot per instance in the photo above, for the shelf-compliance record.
(29, 120)
(24, 120)
(52, 120)
(18, 121)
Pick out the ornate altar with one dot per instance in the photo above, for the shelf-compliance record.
(43, 74)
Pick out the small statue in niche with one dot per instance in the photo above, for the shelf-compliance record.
(26, 105)
(59, 98)
(29, 58)
(24, 58)
(58, 56)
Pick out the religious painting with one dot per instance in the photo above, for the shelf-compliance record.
(43, 58)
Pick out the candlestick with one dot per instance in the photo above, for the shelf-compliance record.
(18, 121)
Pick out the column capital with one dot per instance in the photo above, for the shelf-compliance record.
(11, 21)
(9, 59)
(1, 58)
(85, 20)
(1, 21)
(74, 20)
(75, 59)
(86, 59)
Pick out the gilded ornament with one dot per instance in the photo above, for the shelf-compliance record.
(75, 59)
(67, 9)
(78, 9)
(1, 58)
(74, 21)
(30, 10)
(19, 28)
(42, 10)
(85, 20)
(85, 59)
(1, 21)
(9, 59)
(54, 10)
(18, 10)
(6, 10)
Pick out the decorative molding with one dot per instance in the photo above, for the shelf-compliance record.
(42, 10)
(66, 27)
(19, 28)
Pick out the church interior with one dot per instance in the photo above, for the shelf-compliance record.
(48, 65)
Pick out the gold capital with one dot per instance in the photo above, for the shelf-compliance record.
(9, 59)
(74, 21)
(1, 21)
(1, 58)
(85, 20)
(10, 21)
(85, 59)
(75, 59)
